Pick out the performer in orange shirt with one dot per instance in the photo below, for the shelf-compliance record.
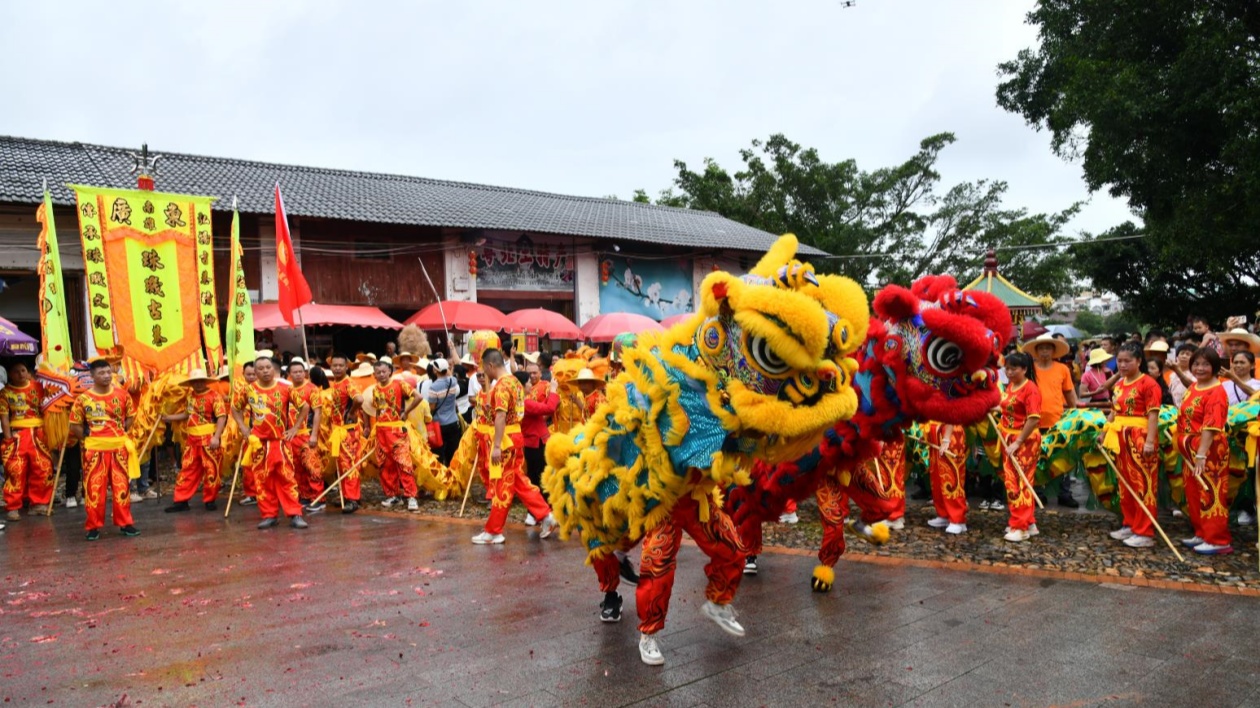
(1018, 434)
(1058, 393)
(109, 456)
(592, 390)
(308, 467)
(394, 400)
(947, 467)
(267, 456)
(1133, 437)
(206, 413)
(1205, 455)
(345, 444)
(500, 459)
(27, 462)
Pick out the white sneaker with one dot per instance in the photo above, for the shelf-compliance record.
(1177, 514)
(530, 520)
(1191, 542)
(649, 652)
(548, 526)
(789, 518)
(1032, 530)
(897, 524)
(939, 522)
(72, 503)
(956, 528)
(1246, 518)
(485, 539)
(1017, 536)
(412, 504)
(984, 505)
(1208, 549)
(389, 501)
(996, 506)
(724, 616)
(1121, 533)
(150, 493)
(1136, 541)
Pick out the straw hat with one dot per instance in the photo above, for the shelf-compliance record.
(225, 373)
(194, 376)
(423, 362)
(264, 354)
(531, 357)
(588, 375)
(1098, 356)
(1060, 347)
(468, 361)
(369, 404)
(386, 360)
(404, 355)
(299, 360)
(363, 370)
(1157, 347)
(1239, 334)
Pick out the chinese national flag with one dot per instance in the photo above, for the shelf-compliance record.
(294, 292)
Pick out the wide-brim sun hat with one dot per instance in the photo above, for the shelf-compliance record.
(1061, 348)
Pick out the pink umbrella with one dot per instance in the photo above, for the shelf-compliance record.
(605, 328)
(1031, 330)
(675, 319)
(540, 321)
(459, 314)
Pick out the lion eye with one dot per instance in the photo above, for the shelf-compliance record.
(944, 356)
(764, 356)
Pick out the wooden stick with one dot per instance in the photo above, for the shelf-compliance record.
(235, 475)
(878, 480)
(56, 478)
(141, 451)
(1257, 521)
(1018, 467)
(1112, 463)
(946, 451)
(468, 487)
(337, 482)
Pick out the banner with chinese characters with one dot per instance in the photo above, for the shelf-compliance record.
(526, 267)
(150, 273)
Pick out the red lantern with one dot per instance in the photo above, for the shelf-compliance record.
(605, 272)
(716, 268)
(472, 263)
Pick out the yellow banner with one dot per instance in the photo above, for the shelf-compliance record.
(205, 286)
(145, 278)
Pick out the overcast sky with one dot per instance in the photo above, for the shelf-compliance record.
(582, 97)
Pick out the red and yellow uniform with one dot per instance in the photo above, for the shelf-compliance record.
(345, 445)
(1133, 403)
(308, 467)
(508, 480)
(1207, 499)
(393, 449)
(200, 464)
(27, 462)
(948, 471)
(109, 456)
(1019, 403)
(267, 459)
(594, 400)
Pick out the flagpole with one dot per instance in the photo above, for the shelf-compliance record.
(450, 344)
(306, 355)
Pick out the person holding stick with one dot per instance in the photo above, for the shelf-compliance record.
(28, 466)
(393, 400)
(1133, 437)
(1019, 412)
(269, 460)
(206, 413)
(345, 443)
(1205, 454)
(947, 469)
(109, 455)
(308, 467)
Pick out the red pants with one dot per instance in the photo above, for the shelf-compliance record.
(1019, 499)
(513, 483)
(28, 469)
(1140, 472)
(308, 469)
(833, 508)
(351, 449)
(200, 465)
(948, 474)
(1207, 497)
(273, 478)
(718, 539)
(393, 456)
(106, 471)
(892, 462)
(608, 569)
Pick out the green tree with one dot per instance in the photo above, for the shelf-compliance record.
(888, 225)
(1089, 322)
(1121, 323)
(1159, 101)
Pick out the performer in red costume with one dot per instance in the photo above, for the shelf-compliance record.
(345, 443)
(206, 415)
(1133, 436)
(268, 405)
(947, 467)
(109, 456)
(1018, 434)
(500, 457)
(28, 467)
(394, 400)
(1205, 455)
(308, 467)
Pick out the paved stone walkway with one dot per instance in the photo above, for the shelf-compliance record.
(387, 610)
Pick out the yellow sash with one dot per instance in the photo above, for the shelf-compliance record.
(102, 444)
(252, 448)
(338, 436)
(203, 429)
(1112, 439)
(487, 429)
(27, 423)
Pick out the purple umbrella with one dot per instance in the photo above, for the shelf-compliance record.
(14, 343)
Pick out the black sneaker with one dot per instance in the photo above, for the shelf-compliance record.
(177, 506)
(211, 506)
(750, 565)
(249, 501)
(314, 508)
(350, 507)
(94, 534)
(610, 608)
(130, 531)
(298, 522)
(627, 571)
(268, 523)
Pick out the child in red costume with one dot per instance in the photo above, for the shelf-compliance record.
(1017, 433)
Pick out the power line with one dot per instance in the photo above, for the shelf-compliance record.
(857, 256)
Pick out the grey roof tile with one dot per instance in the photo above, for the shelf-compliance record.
(368, 197)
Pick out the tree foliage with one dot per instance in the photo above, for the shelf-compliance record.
(1160, 100)
(1089, 322)
(892, 224)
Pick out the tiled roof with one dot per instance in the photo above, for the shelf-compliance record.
(1004, 290)
(368, 197)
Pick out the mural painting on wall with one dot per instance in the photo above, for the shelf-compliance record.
(655, 288)
(525, 266)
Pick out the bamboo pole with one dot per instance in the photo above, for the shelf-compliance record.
(472, 470)
(1023, 477)
(235, 476)
(1112, 464)
(337, 482)
(56, 478)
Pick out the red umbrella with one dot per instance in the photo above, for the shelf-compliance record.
(675, 319)
(540, 321)
(605, 328)
(1031, 330)
(459, 314)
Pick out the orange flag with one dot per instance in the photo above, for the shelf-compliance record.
(294, 292)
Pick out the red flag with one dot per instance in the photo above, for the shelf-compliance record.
(294, 292)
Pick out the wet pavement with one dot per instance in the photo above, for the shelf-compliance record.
(391, 610)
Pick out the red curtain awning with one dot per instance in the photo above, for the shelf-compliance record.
(605, 328)
(267, 316)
